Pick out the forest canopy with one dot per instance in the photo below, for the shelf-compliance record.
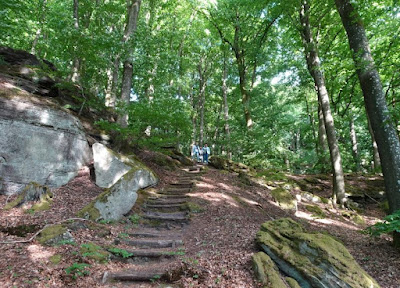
(232, 73)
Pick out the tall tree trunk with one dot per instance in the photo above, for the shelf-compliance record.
(377, 160)
(322, 141)
(38, 33)
(315, 70)
(312, 122)
(245, 94)
(112, 82)
(226, 108)
(385, 133)
(354, 144)
(74, 76)
(202, 69)
(133, 8)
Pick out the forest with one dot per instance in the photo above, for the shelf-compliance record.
(300, 86)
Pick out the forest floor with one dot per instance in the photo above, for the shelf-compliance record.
(219, 241)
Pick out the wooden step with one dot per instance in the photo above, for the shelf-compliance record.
(174, 192)
(166, 201)
(145, 234)
(183, 184)
(164, 205)
(153, 243)
(182, 216)
(134, 275)
(153, 253)
(164, 196)
(178, 189)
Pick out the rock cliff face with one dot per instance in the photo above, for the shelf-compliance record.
(38, 143)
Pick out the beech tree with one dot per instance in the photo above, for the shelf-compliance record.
(314, 67)
(383, 129)
(133, 8)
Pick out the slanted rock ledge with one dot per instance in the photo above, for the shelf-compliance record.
(312, 259)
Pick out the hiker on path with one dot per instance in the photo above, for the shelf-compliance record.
(200, 154)
(206, 153)
(195, 152)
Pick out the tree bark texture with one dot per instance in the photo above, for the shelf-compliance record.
(74, 77)
(202, 69)
(130, 28)
(377, 160)
(112, 74)
(315, 70)
(375, 102)
(226, 108)
(354, 144)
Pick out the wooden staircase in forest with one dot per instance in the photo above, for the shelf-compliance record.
(158, 239)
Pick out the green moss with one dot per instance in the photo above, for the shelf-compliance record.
(284, 198)
(89, 212)
(97, 253)
(50, 233)
(292, 282)
(55, 259)
(312, 180)
(324, 200)
(272, 175)
(15, 202)
(358, 220)
(266, 271)
(317, 212)
(385, 206)
(44, 203)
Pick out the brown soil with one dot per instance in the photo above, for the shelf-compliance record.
(219, 241)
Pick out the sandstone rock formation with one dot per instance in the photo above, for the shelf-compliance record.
(122, 194)
(312, 259)
(38, 143)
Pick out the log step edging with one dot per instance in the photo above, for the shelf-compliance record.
(154, 243)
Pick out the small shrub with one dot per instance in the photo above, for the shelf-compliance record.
(391, 223)
(77, 270)
(135, 218)
(120, 252)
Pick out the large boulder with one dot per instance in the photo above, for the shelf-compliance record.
(109, 166)
(312, 259)
(119, 199)
(39, 142)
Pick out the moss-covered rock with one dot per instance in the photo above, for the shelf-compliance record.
(312, 259)
(316, 211)
(353, 216)
(54, 234)
(118, 200)
(266, 271)
(284, 199)
(292, 282)
(229, 165)
(39, 194)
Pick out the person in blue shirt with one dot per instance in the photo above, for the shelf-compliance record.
(206, 153)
